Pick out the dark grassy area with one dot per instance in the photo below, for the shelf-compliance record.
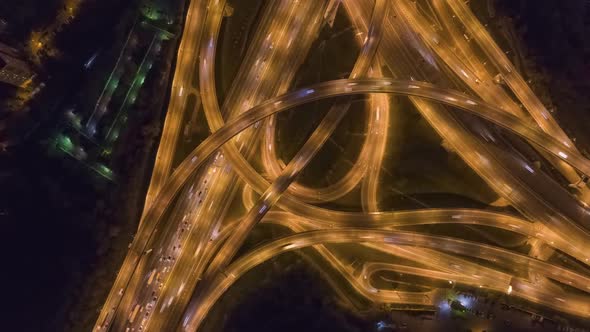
(69, 230)
(283, 294)
(47, 234)
(410, 180)
(334, 46)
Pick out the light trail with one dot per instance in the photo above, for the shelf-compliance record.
(224, 280)
(515, 82)
(183, 249)
(335, 88)
(307, 152)
(186, 66)
(261, 84)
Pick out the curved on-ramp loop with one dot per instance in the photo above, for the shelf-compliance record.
(325, 90)
(311, 147)
(301, 240)
(338, 88)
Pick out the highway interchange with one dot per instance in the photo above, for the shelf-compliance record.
(439, 56)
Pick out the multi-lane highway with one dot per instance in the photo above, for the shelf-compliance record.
(182, 87)
(182, 258)
(224, 280)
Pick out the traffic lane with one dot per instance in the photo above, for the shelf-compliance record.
(224, 280)
(306, 153)
(184, 71)
(353, 177)
(525, 131)
(322, 90)
(210, 46)
(295, 98)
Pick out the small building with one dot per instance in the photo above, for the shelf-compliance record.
(14, 70)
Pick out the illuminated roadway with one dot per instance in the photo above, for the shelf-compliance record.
(263, 81)
(180, 260)
(182, 87)
(305, 239)
(306, 153)
(138, 274)
(344, 87)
